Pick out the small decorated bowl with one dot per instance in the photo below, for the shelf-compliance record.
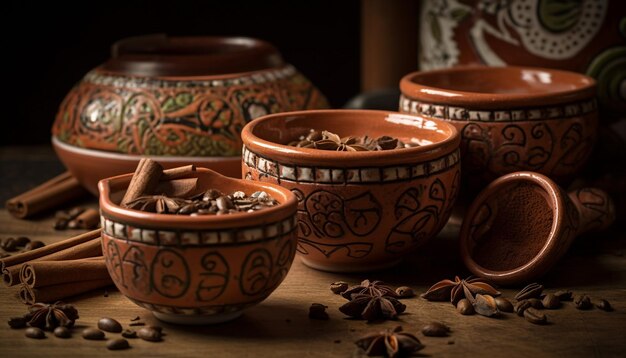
(365, 210)
(198, 269)
(510, 118)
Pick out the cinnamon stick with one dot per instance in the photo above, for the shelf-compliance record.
(88, 219)
(179, 172)
(144, 181)
(177, 188)
(54, 293)
(52, 193)
(38, 274)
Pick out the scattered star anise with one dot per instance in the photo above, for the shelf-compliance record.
(160, 204)
(390, 343)
(458, 289)
(371, 288)
(50, 316)
(372, 307)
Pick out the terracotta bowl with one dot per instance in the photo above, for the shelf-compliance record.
(510, 118)
(198, 270)
(522, 223)
(358, 211)
(178, 99)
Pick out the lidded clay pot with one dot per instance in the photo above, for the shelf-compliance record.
(180, 100)
(522, 223)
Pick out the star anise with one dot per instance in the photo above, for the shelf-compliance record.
(371, 288)
(390, 343)
(50, 316)
(160, 204)
(454, 290)
(372, 307)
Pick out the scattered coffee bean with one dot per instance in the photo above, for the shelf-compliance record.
(137, 318)
(60, 224)
(318, 311)
(62, 332)
(465, 307)
(504, 305)
(583, 302)
(22, 241)
(136, 324)
(450, 342)
(522, 306)
(405, 292)
(34, 332)
(129, 333)
(109, 325)
(535, 316)
(338, 287)
(72, 224)
(17, 322)
(150, 333)
(551, 301)
(93, 334)
(337, 341)
(33, 245)
(564, 295)
(535, 303)
(604, 305)
(533, 290)
(435, 329)
(9, 245)
(117, 344)
(485, 305)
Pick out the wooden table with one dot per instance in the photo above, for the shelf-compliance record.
(280, 327)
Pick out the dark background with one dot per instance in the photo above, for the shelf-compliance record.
(48, 46)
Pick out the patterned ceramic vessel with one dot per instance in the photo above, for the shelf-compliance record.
(179, 99)
(510, 118)
(203, 269)
(358, 211)
(552, 217)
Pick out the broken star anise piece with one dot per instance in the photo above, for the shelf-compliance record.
(50, 316)
(371, 288)
(390, 343)
(159, 204)
(372, 307)
(454, 291)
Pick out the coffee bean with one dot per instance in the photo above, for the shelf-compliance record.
(604, 305)
(72, 224)
(109, 325)
(531, 291)
(150, 333)
(33, 245)
(583, 302)
(522, 306)
(564, 295)
(129, 333)
(17, 322)
(34, 332)
(435, 329)
(318, 311)
(405, 292)
(551, 301)
(93, 334)
(485, 305)
(9, 245)
(22, 241)
(535, 303)
(117, 344)
(62, 332)
(224, 203)
(338, 287)
(535, 316)
(60, 224)
(465, 307)
(504, 305)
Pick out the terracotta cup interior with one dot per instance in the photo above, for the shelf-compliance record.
(112, 190)
(161, 55)
(497, 87)
(271, 134)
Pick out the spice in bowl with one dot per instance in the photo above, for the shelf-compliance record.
(326, 140)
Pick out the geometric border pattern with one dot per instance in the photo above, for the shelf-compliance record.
(105, 79)
(306, 174)
(200, 237)
(445, 112)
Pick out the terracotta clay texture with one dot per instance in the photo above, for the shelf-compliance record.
(522, 223)
(198, 270)
(510, 118)
(358, 211)
(176, 97)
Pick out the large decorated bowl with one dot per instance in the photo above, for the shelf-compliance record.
(180, 100)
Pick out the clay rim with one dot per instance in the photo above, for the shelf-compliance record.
(285, 209)
(163, 56)
(544, 258)
(293, 155)
(416, 86)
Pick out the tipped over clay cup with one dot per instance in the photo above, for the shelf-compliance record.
(521, 224)
(198, 269)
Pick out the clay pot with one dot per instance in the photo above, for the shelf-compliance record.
(510, 118)
(180, 99)
(358, 211)
(203, 269)
(522, 223)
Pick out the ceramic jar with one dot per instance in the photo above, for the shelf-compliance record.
(358, 211)
(198, 269)
(510, 118)
(180, 99)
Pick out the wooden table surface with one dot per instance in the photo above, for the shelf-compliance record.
(280, 327)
